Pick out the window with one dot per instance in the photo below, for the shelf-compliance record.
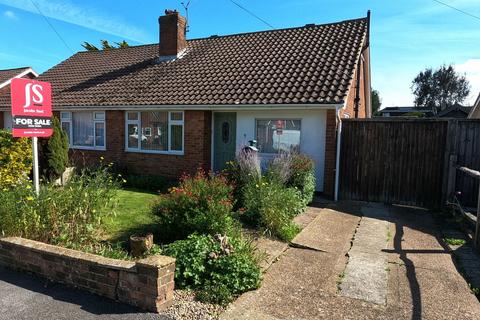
(154, 131)
(85, 129)
(276, 135)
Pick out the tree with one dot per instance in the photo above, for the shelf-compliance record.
(376, 102)
(105, 45)
(439, 89)
(56, 151)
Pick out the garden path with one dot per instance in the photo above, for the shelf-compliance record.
(422, 281)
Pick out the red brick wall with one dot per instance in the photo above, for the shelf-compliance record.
(350, 105)
(331, 141)
(197, 147)
(147, 283)
(330, 153)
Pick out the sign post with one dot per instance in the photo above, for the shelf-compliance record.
(32, 115)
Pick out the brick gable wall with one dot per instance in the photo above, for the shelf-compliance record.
(331, 134)
(196, 149)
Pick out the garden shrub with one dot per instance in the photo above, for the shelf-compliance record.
(71, 214)
(272, 207)
(219, 267)
(15, 160)
(200, 204)
(302, 177)
(279, 169)
(57, 151)
(241, 172)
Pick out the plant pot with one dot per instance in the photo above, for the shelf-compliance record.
(139, 244)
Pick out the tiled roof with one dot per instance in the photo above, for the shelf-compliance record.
(456, 107)
(8, 74)
(314, 64)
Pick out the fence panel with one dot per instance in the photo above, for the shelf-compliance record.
(467, 148)
(393, 161)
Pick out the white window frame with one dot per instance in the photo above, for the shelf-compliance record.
(171, 122)
(67, 117)
(267, 154)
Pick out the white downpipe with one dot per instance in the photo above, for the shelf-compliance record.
(337, 160)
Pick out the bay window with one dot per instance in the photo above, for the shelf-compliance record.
(154, 131)
(85, 129)
(278, 135)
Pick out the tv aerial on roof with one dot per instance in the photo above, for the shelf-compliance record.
(185, 6)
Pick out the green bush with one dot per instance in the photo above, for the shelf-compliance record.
(302, 177)
(56, 152)
(15, 160)
(241, 172)
(71, 214)
(225, 263)
(272, 207)
(200, 204)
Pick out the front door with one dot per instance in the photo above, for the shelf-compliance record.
(224, 137)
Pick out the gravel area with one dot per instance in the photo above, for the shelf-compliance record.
(185, 307)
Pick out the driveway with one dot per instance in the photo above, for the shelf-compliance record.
(362, 261)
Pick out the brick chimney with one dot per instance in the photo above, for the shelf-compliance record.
(172, 33)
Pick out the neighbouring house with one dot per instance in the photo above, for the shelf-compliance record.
(475, 111)
(173, 106)
(455, 111)
(6, 77)
(406, 111)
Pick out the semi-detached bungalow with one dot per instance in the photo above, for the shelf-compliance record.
(171, 107)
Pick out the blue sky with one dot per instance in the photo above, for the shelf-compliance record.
(407, 36)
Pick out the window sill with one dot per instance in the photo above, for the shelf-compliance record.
(172, 153)
(88, 148)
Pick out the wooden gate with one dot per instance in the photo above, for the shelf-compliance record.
(393, 161)
(464, 144)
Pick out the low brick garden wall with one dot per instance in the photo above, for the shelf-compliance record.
(147, 283)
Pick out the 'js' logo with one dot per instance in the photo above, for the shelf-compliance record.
(33, 94)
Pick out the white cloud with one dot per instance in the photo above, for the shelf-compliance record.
(471, 68)
(10, 15)
(86, 17)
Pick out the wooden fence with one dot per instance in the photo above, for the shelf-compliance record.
(406, 161)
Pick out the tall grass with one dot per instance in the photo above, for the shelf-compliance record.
(63, 215)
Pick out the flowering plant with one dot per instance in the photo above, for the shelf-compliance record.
(202, 204)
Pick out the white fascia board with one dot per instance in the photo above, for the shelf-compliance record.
(23, 73)
(233, 107)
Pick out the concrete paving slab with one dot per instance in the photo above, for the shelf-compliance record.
(426, 294)
(307, 217)
(322, 233)
(269, 249)
(365, 278)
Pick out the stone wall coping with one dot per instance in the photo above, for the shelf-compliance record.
(70, 253)
(157, 261)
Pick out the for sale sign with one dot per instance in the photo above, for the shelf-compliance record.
(31, 108)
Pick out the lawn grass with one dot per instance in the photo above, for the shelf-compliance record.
(132, 216)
